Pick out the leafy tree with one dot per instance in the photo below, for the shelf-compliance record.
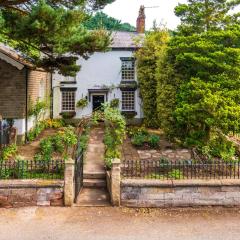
(153, 47)
(102, 20)
(199, 79)
(204, 15)
(51, 33)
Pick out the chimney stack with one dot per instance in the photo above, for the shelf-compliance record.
(141, 20)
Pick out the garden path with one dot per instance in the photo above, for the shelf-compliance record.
(94, 192)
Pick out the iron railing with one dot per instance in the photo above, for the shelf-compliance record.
(164, 170)
(32, 169)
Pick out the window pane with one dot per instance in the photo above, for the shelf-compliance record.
(128, 100)
(128, 70)
(68, 101)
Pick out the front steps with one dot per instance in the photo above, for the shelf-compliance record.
(94, 192)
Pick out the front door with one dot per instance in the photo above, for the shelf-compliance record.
(98, 100)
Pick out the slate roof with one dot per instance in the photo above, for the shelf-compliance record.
(126, 40)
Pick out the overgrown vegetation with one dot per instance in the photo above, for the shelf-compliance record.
(58, 144)
(115, 130)
(8, 152)
(141, 138)
(197, 77)
(40, 126)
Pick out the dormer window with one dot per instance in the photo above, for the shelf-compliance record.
(128, 69)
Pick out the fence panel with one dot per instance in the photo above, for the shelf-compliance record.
(32, 169)
(166, 170)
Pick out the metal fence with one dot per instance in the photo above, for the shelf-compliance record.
(164, 170)
(24, 169)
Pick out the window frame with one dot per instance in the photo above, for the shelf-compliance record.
(131, 103)
(73, 91)
(126, 72)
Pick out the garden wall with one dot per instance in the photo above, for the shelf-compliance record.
(23, 193)
(180, 193)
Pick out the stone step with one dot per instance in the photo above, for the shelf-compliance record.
(94, 175)
(93, 197)
(94, 183)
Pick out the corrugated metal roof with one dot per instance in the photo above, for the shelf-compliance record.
(126, 39)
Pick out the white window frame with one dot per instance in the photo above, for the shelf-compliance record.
(134, 101)
(125, 72)
(68, 92)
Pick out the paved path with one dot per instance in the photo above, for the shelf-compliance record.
(95, 152)
(118, 224)
(94, 192)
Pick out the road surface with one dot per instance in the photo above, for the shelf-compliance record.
(119, 224)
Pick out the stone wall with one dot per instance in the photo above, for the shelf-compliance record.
(180, 193)
(23, 193)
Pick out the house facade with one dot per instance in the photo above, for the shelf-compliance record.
(104, 77)
(20, 84)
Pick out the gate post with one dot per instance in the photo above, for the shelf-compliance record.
(115, 182)
(69, 182)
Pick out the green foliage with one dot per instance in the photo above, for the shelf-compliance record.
(59, 143)
(46, 146)
(140, 137)
(138, 140)
(115, 103)
(198, 16)
(82, 103)
(153, 141)
(46, 30)
(102, 20)
(175, 174)
(115, 131)
(37, 108)
(8, 152)
(154, 45)
(40, 126)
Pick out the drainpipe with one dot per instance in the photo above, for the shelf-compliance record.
(51, 96)
(26, 103)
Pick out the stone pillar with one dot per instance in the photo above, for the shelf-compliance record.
(69, 188)
(115, 182)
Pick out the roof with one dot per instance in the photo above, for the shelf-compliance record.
(13, 54)
(126, 40)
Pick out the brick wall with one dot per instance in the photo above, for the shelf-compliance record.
(37, 80)
(22, 193)
(189, 193)
(12, 91)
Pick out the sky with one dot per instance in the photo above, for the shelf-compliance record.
(127, 11)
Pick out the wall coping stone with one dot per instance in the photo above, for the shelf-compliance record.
(30, 183)
(179, 183)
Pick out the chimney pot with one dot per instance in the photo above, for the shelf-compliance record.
(141, 20)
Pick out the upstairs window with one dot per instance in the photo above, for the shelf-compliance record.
(128, 100)
(68, 101)
(128, 69)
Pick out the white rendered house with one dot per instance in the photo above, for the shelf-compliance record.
(103, 77)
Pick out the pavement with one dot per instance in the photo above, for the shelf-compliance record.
(110, 223)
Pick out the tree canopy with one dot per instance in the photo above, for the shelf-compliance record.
(52, 33)
(102, 20)
(198, 77)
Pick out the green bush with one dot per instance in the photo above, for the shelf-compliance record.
(115, 103)
(82, 103)
(47, 148)
(153, 140)
(8, 152)
(175, 174)
(138, 140)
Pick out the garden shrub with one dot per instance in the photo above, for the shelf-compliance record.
(47, 149)
(138, 139)
(8, 152)
(115, 130)
(82, 103)
(153, 140)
